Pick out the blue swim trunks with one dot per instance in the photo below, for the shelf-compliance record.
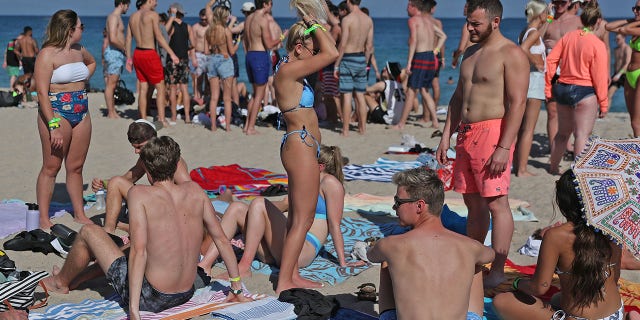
(353, 73)
(150, 298)
(220, 67)
(258, 64)
(114, 60)
(423, 70)
(72, 106)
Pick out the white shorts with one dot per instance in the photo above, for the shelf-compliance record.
(536, 85)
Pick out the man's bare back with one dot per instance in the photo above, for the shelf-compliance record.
(28, 46)
(355, 31)
(143, 24)
(427, 260)
(425, 38)
(173, 214)
(256, 28)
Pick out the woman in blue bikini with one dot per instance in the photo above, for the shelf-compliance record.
(62, 67)
(586, 261)
(310, 48)
(263, 222)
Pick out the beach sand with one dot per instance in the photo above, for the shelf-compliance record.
(111, 154)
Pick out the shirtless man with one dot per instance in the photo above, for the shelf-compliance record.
(114, 54)
(139, 133)
(355, 49)
(464, 42)
(168, 221)
(145, 29)
(486, 110)
(426, 259)
(258, 40)
(622, 58)
(199, 69)
(27, 48)
(564, 20)
(425, 41)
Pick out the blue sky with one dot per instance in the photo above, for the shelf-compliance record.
(378, 8)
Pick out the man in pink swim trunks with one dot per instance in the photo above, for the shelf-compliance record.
(486, 110)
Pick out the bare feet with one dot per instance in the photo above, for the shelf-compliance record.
(52, 285)
(45, 224)
(633, 315)
(83, 220)
(251, 132)
(398, 127)
(493, 279)
(113, 115)
(525, 173)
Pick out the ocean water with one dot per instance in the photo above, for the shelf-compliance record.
(390, 41)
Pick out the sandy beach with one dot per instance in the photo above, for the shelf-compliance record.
(111, 154)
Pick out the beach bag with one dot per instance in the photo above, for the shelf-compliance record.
(122, 95)
(9, 99)
(19, 294)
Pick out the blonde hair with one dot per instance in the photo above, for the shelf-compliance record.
(331, 158)
(59, 28)
(215, 32)
(296, 35)
(534, 9)
(312, 8)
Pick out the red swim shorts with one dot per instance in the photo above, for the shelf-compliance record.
(148, 66)
(475, 144)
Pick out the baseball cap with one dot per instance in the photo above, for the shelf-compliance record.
(177, 6)
(248, 7)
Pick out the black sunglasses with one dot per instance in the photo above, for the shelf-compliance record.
(636, 8)
(397, 202)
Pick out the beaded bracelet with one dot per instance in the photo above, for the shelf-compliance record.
(54, 123)
(313, 28)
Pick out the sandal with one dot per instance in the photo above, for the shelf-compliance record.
(6, 265)
(367, 292)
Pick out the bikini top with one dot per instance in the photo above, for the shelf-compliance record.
(321, 209)
(634, 43)
(70, 72)
(306, 99)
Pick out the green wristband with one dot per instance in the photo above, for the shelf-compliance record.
(515, 283)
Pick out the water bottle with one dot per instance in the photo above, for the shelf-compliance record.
(100, 199)
(33, 217)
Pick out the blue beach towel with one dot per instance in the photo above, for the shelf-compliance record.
(382, 170)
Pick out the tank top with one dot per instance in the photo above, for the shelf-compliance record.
(394, 99)
(179, 42)
(12, 57)
(537, 48)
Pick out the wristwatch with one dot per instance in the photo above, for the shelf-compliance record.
(236, 292)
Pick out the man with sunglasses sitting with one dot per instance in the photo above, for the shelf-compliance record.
(427, 259)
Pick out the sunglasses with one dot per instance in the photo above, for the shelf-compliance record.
(559, 2)
(636, 8)
(397, 202)
(313, 52)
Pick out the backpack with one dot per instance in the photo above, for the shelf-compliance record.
(19, 294)
(9, 98)
(122, 95)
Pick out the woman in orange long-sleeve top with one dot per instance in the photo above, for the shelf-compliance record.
(582, 85)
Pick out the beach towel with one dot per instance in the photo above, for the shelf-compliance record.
(325, 267)
(364, 203)
(268, 308)
(382, 170)
(245, 181)
(204, 301)
(13, 215)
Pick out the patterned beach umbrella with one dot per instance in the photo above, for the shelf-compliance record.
(608, 177)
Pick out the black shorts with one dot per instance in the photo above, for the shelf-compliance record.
(28, 64)
(150, 298)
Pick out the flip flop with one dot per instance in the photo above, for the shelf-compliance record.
(367, 292)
